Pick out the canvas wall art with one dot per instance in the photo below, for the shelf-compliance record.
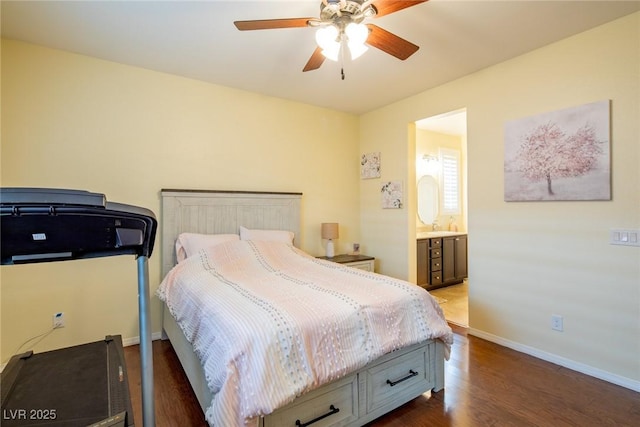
(392, 195)
(370, 165)
(560, 155)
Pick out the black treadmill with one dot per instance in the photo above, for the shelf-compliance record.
(84, 385)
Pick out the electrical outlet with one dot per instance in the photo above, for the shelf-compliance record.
(58, 320)
(556, 322)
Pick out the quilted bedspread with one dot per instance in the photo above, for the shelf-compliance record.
(270, 322)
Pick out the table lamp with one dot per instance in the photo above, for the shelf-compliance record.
(329, 231)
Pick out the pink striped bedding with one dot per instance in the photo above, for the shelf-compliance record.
(270, 322)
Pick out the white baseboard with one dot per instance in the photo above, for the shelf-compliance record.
(126, 342)
(559, 360)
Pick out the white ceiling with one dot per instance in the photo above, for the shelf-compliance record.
(197, 39)
(450, 123)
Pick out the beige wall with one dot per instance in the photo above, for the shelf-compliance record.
(528, 261)
(72, 121)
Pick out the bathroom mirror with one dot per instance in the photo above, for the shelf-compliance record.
(427, 199)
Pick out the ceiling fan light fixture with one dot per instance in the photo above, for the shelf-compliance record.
(327, 39)
(327, 36)
(357, 49)
(332, 52)
(356, 33)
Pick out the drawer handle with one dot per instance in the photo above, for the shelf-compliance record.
(412, 373)
(332, 410)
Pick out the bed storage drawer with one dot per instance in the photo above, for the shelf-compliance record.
(397, 380)
(335, 404)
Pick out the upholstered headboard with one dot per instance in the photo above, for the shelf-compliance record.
(223, 212)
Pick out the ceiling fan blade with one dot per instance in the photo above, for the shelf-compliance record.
(316, 60)
(390, 43)
(269, 24)
(386, 7)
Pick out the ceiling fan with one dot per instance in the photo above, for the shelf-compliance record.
(340, 23)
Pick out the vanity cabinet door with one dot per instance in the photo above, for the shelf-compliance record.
(448, 259)
(460, 257)
(423, 262)
(454, 259)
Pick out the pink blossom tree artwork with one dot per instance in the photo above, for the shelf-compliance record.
(562, 155)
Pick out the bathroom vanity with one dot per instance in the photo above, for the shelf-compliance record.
(441, 258)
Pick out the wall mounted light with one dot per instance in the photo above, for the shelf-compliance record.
(430, 164)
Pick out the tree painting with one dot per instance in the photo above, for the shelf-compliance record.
(563, 155)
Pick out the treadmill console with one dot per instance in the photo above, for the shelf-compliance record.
(41, 225)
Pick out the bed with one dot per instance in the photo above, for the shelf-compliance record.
(280, 376)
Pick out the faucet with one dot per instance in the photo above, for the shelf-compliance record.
(435, 226)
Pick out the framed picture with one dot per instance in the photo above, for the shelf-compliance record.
(560, 155)
(392, 195)
(370, 165)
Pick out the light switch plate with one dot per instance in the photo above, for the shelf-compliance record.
(624, 237)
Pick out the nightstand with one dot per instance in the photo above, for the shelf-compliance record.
(363, 262)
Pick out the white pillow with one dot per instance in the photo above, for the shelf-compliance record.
(188, 244)
(269, 235)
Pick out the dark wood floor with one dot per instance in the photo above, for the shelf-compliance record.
(485, 385)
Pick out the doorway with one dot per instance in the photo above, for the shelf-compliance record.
(439, 139)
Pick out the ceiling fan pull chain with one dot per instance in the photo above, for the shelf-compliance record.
(342, 43)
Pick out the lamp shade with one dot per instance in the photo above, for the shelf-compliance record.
(329, 230)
